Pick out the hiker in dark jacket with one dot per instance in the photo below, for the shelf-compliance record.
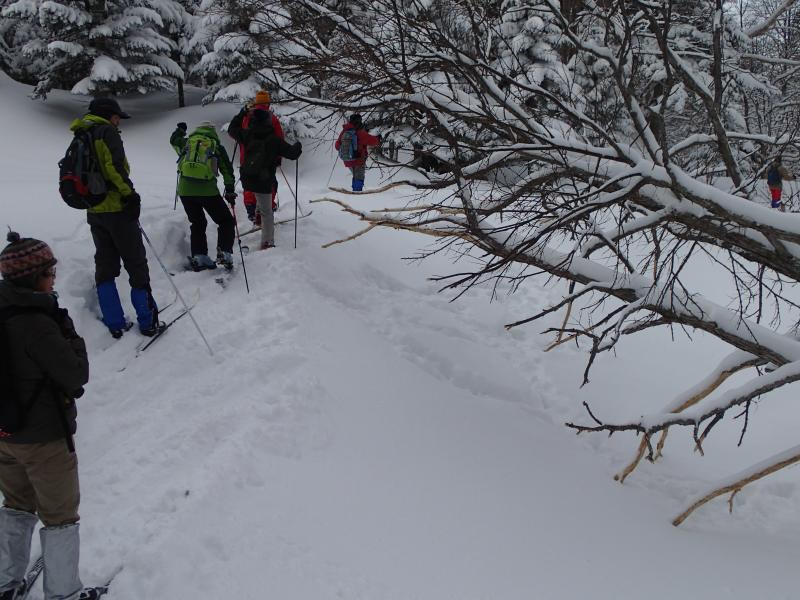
(261, 101)
(114, 224)
(262, 149)
(199, 193)
(775, 175)
(48, 367)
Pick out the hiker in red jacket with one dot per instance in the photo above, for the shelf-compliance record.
(260, 102)
(353, 144)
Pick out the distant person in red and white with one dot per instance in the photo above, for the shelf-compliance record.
(353, 146)
(261, 101)
(776, 174)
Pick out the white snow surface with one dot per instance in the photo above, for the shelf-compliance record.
(357, 436)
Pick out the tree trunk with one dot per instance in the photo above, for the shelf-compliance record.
(181, 97)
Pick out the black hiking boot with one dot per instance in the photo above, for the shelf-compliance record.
(116, 334)
(154, 330)
(92, 593)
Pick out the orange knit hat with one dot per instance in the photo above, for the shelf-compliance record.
(262, 97)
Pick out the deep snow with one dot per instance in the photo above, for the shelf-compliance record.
(357, 435)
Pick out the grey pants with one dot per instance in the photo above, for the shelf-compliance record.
(16, 530)
(60, 549)
(264, 203)
(359, 171)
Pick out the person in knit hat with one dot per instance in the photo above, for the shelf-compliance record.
(45, 368)
(261, 102)
(262, 148)
(24, 259)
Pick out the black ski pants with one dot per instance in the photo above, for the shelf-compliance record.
(117, 237)
(196, 208)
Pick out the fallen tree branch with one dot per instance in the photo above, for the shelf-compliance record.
(717, 378)
(351, 237)
(767, 467)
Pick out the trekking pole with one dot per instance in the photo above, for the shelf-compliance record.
(241, 252)
(296, 179)
(175, 287)
(290, 187)
(335, 160)
(177, 181)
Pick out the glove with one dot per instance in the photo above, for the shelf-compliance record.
(298, 147)
(230, 197)
(132, 205)
(182, 127)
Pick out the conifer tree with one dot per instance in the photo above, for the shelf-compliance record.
(230, 64)
(97, 46)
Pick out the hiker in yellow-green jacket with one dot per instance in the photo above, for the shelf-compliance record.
(201, 159)
(114, 224)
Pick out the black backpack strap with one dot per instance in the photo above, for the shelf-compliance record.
(62, 416)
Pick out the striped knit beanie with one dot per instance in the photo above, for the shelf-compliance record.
(24, 256)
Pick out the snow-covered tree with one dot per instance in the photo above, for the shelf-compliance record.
(235, 51)
(183, 26)
(98, 46)
(611, 164)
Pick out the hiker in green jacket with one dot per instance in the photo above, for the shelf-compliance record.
(114, 224)
(202, 159)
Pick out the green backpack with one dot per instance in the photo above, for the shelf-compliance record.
(199, 158)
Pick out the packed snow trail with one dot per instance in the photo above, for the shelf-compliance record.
(356, 436)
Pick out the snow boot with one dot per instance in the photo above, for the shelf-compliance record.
(61, 551)
(225, 259)
(146, 311)
(92, 593)
(16, 530)
(111, 308)
(251, 211)
(201, 262)
(358, 185)
(117, 333)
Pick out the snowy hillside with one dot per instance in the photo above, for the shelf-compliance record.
(356, 436)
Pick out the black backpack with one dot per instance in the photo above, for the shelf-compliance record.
(258, 158)
(80, 182)
(13, 409)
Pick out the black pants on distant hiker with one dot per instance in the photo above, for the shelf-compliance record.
(196, 208)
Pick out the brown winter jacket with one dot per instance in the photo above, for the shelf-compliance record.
(43, 347)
